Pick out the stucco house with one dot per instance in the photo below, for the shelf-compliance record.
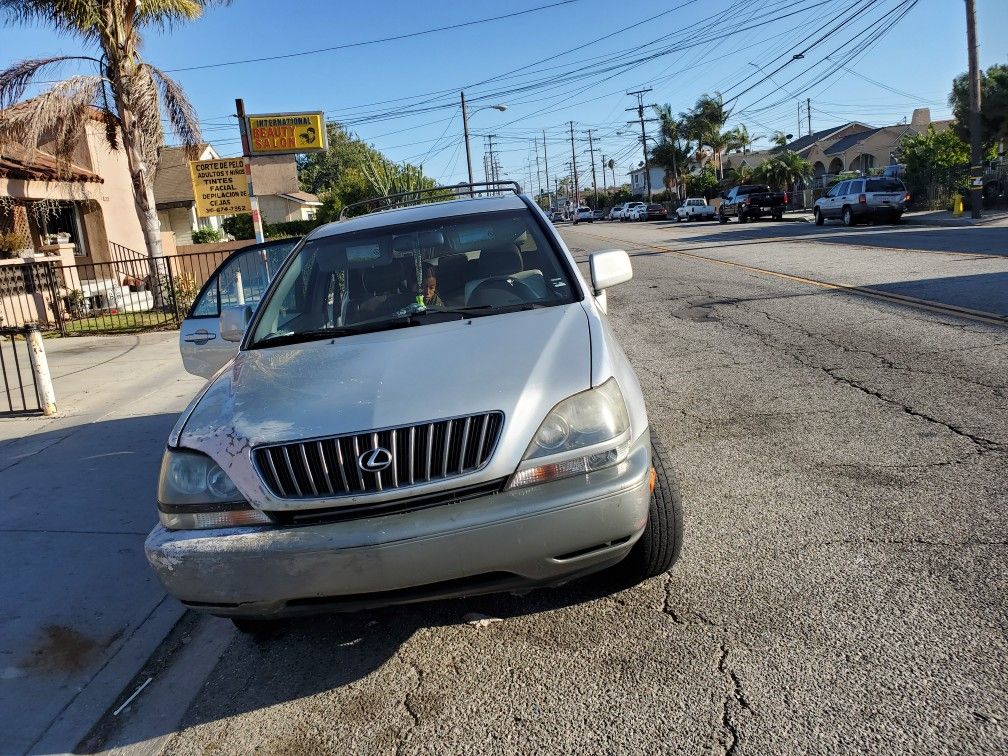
(853, 146)
(638, 181)
(89, 201)
(274, 179)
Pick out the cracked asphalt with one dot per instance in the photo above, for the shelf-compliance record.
(843, 577)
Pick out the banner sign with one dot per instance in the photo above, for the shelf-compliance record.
(219, 187)
(286, 133)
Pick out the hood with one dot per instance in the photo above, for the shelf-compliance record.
(520, 363)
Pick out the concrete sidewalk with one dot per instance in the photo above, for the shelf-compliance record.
(82, 611)
(995, 218)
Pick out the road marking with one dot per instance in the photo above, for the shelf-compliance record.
(963, 312)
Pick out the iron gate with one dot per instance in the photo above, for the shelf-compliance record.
(21, 395)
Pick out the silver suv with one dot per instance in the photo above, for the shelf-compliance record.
(863, 199)
(428, 401)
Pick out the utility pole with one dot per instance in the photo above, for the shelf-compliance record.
(465, 129)
(493, 164)
(799, 119)
(546, 163)
(643, 134)
(257, 225)
(808, 111)
(591, 149)
(577, 190)
(538, 174)
(975, 125)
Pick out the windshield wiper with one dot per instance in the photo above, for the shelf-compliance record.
(297, 337)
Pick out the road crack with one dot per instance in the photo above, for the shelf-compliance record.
(734, 703)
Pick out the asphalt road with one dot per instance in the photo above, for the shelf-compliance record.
(843, 580)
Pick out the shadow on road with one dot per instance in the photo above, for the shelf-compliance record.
(977, 240)
(986, 292)
(303, 657)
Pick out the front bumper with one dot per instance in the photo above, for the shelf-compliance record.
(532, 536)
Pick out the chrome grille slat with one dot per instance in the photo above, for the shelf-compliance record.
(357, 456)
(325, 468)
(304, 458)
(421, 453)
(462, 446)
(342, 469)
(290, 469)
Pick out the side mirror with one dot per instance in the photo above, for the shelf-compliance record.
(233, 322)
(609, 268)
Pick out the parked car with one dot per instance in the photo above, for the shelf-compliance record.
(633, 211)
(695, 209)
(863, 199)
(556, 216)
(752, 201)
(616, 213)
(598, 215)
(583, 214)
(655, 212)
(365, 443)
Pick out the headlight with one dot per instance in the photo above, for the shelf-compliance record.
(194, 492)
(583, 433)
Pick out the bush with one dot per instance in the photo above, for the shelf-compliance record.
(185, 290)
(239, 226)
(206, 236)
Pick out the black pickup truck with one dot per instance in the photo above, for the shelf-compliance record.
(751, 201)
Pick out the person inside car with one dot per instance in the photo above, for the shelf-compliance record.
(428, 288)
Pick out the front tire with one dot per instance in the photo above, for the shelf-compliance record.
(658, 548)
(722, 218)
(819, 220)
(741, 216)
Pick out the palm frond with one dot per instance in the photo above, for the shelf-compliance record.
(181, 114)
(56, 118)
(164, 14)
(15, 80)
(70, 17)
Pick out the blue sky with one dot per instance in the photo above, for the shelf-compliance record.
(402, 96)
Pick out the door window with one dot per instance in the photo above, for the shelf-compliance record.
(241, 279)
(841, 190)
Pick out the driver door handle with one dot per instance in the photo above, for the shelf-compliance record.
(200, 337)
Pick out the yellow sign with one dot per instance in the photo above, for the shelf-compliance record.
(284, 133)
(220, 187)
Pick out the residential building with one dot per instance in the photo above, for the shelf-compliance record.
(638, 181)
(173, 194)
(853, 146)
(274, 179)
(88, 202)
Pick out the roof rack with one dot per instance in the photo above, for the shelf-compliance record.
(433, 194)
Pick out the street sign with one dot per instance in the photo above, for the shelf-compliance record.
(219, 187)
(286, 133)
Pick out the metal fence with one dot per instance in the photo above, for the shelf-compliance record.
(131, 293)
(21, 395)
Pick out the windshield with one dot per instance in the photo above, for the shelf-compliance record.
(394, 276)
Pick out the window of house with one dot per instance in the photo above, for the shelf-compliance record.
(64, 219)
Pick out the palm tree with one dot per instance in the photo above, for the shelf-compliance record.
(784, 170)
(612, 169)
(780, 139)
(127, 91)
(742, 139)
(705, 122)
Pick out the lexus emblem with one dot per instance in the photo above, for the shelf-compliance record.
(375, 460)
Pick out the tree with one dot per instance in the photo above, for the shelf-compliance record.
(127, 91)
(993, 105)
(703, 184)
(784, 170)
(705, 123)
(932, 150)
(779, 139)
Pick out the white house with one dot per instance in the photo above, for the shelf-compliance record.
(638, 181)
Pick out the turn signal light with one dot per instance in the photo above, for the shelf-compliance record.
(785, 198)
(907, 198)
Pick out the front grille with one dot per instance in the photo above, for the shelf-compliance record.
(422, 453)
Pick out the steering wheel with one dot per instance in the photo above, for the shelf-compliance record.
(501, 291)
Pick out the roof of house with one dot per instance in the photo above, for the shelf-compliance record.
(805, 142)
(852, 140)
(305, 198)
(172, 182)
(18, 163)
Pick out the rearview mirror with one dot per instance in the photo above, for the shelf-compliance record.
(233, 322)
(609, 268)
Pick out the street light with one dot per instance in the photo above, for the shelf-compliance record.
(465, 130)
